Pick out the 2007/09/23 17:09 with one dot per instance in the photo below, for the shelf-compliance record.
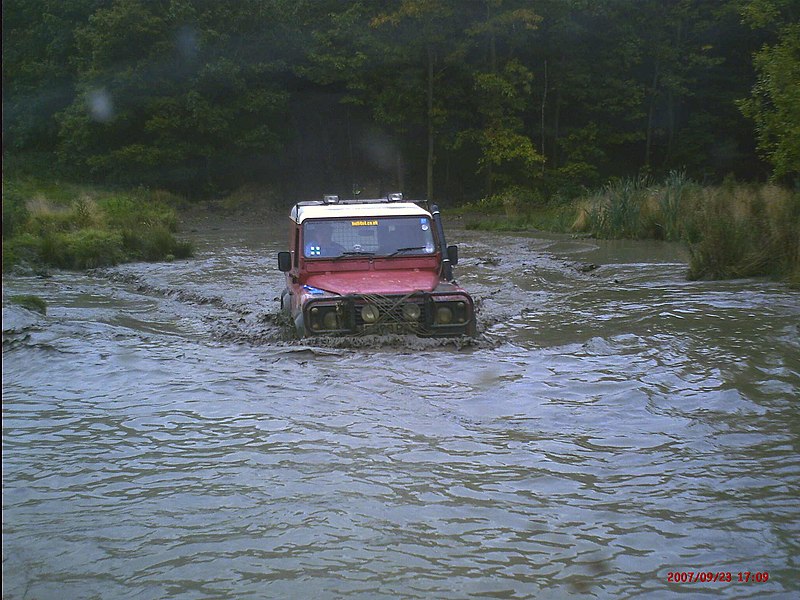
(720, 576)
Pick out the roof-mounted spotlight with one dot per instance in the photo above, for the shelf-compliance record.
(396, 197)
(330, 199)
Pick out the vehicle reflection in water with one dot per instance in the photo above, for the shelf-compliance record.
(164, 437)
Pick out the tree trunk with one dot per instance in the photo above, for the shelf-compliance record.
(544, 104)
(651, 117)
(493, 69)
(351, 163)
(671, 117)
(671, 98)
(401, 179)
(556, 155)
(430, 123)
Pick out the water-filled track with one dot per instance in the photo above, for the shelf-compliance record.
(163, 435)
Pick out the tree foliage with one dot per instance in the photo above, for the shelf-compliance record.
(440, 97)
(774, 104)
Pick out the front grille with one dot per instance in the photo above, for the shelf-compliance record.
(390, 314)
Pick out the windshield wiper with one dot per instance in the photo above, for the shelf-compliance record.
(354, 253)
(409, 249)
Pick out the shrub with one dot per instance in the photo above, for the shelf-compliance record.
(33, 303)
(90, 248)
(722, 240)
(15, 213)
(85, 212)
(21, 249)
(183, 249)
(126, 212)
(53, 251)
(155, 243)
(783, 216)
(45, 219)
(83, 228)
(514, 201)
(84, 249)
(158, 243)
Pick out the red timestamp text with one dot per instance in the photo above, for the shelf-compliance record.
(717, 576)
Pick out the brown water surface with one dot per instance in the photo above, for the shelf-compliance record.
(163, 437)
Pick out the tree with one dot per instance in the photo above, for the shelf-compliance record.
(38, 80)
(677, 51)
(443, 97)
(184, 94)
(431, 41)
(592, 108)
(502, 95)
(774, 104)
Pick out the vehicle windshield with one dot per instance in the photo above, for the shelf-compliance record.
(378, 236)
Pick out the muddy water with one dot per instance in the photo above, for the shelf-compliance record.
(163, 437)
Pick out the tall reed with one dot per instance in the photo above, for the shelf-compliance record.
(732, 230)
(746, 231)
(615, 211)
(675, 195)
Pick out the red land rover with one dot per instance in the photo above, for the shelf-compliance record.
(372, 266)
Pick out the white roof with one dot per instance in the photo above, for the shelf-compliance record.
(378, 209)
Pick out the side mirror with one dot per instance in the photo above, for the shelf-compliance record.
(452, 254)
(285, 261)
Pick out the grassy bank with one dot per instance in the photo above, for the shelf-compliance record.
(53, 224)
(732, 230)
(30, 302)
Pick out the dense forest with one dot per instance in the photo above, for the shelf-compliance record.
(453, 99)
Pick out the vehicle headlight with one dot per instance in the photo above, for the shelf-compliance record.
(451, 312)
(324, 318)
(370, 313)
(461, 312)
(330, 320)
(411, 312)
(444, 316)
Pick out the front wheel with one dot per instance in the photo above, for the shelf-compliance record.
(286, 301)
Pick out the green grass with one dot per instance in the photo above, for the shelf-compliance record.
(63, 225)
(517, 209)
(33, 303)
(543, 218)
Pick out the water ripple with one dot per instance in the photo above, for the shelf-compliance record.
(620, 425)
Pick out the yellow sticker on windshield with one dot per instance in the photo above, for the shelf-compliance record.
(362, 223)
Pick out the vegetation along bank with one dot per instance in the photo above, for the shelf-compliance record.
(69, 226)
(507, 105)
(732, 230)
